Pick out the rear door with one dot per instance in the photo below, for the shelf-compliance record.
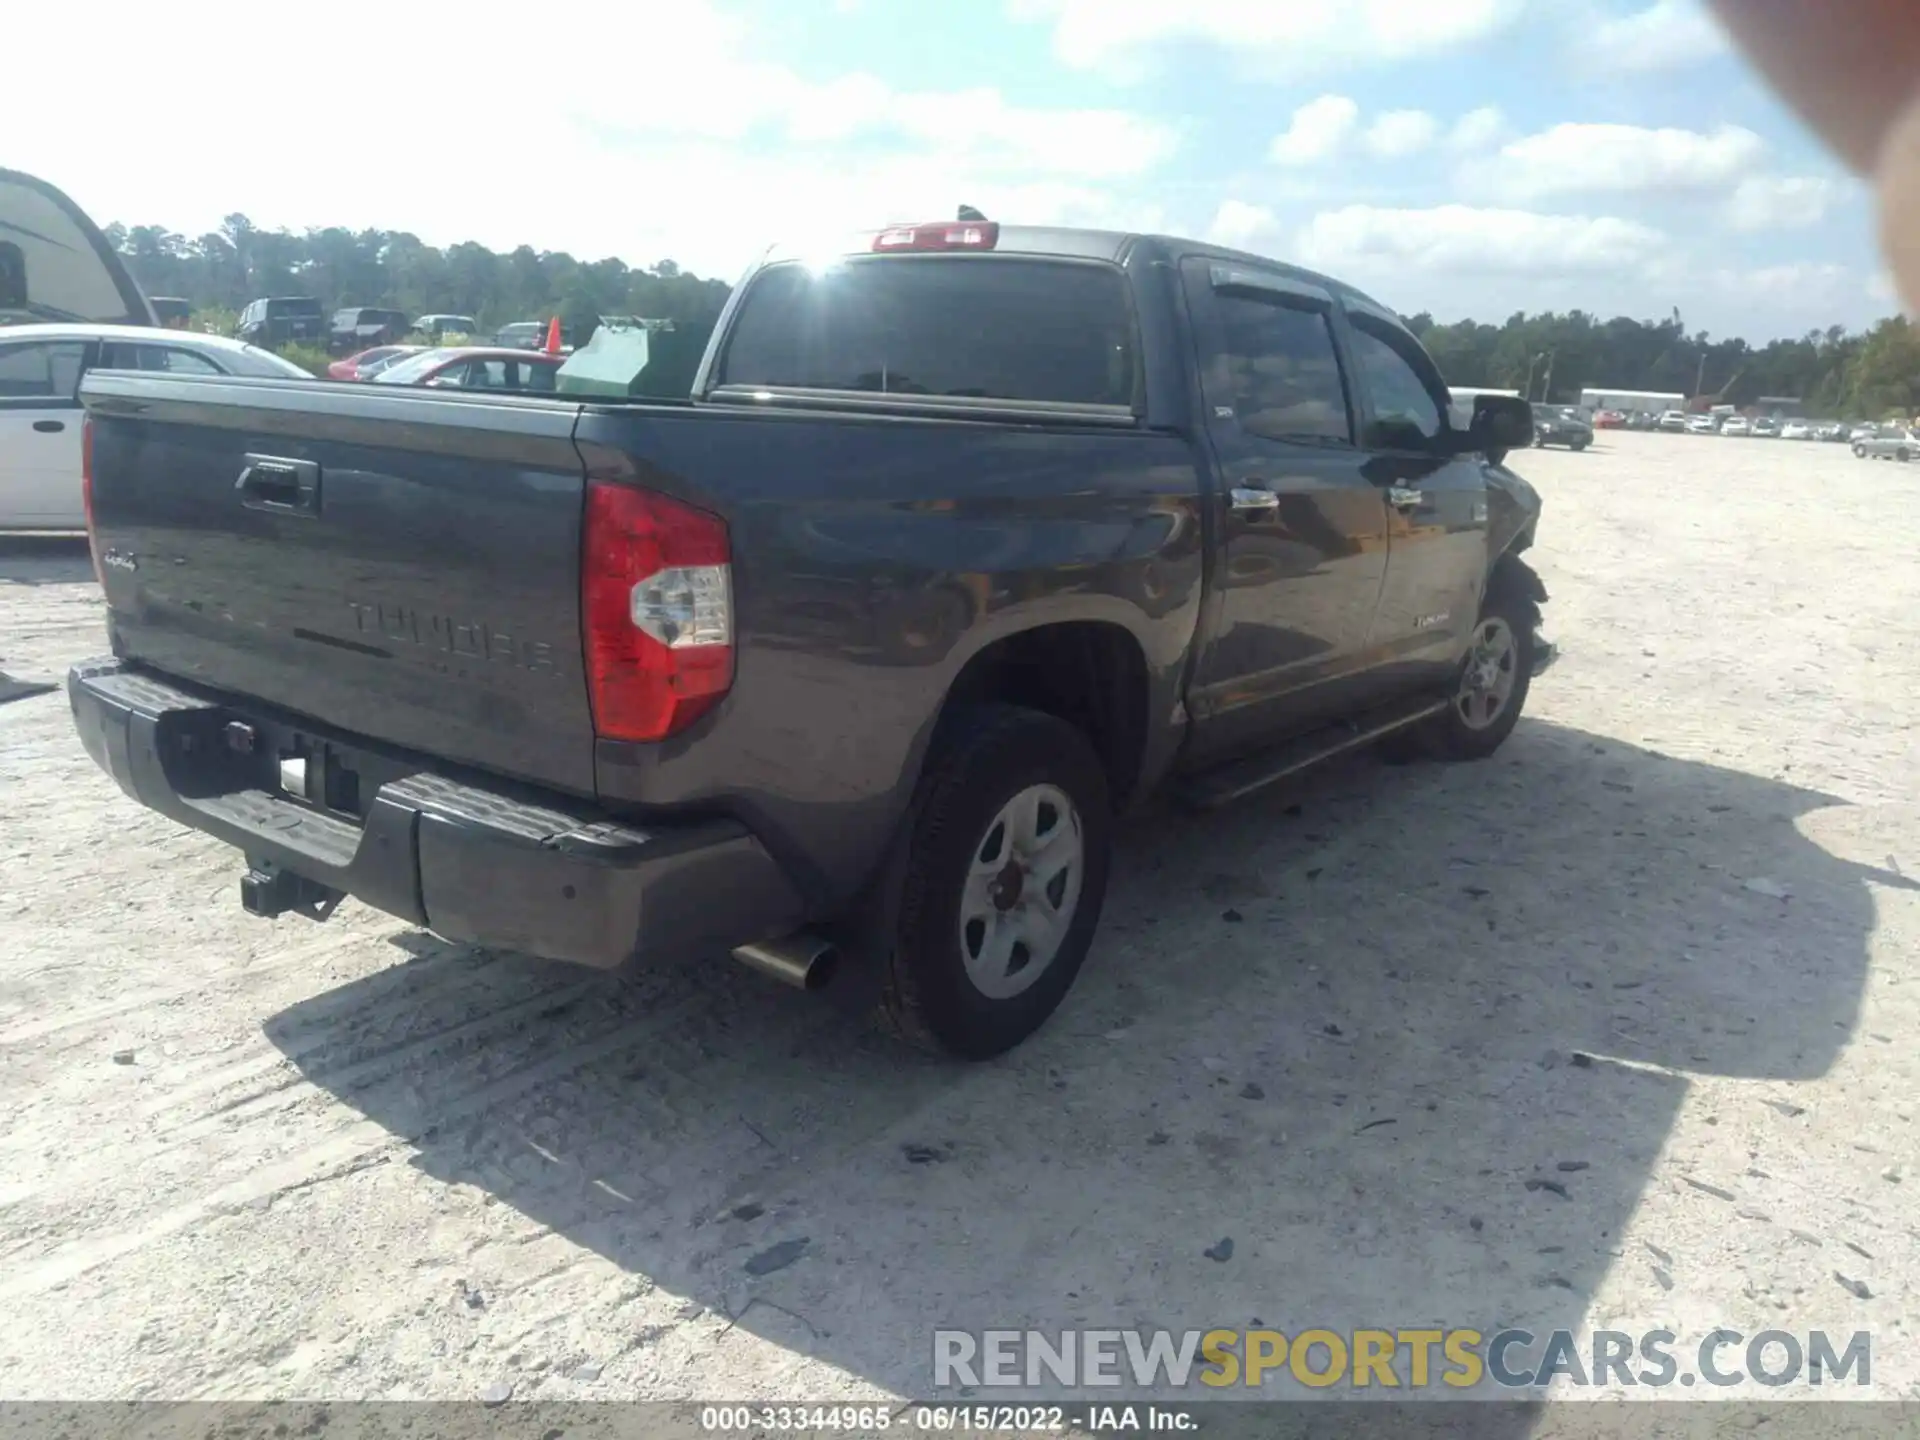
(1301, 548)
(1437, 504)
(40, 434)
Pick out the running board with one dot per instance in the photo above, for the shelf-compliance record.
(1210, 789)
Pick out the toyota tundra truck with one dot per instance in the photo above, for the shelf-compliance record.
(968, 538)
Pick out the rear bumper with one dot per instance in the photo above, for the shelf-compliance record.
(479, 864)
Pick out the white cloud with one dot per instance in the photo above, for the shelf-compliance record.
(1478, 129)
(1240, 226)
(1461, 239)
(1319, 130)
(702, 160)
(1665, 36)
(1785, 202)
(1619, 159)
(1284, 39)
(1400, 133)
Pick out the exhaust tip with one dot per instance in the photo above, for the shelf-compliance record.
(806, 962)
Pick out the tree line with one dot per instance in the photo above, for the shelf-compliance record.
(1832, 372)
(220, 272)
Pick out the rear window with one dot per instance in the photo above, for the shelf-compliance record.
(998, 329)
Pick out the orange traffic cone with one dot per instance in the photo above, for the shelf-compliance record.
(553, 336)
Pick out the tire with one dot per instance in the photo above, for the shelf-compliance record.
(1450, 735)
(989, 757)
(1577, 446)
(1859, 452)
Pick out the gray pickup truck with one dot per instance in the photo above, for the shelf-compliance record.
(966, 540)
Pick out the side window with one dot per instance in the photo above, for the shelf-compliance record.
(539, 378)
(176, 362)
(1278, 370)
(1401, 398)
(41, 376)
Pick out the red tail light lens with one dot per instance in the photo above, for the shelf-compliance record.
(86, 496)
(657, 607)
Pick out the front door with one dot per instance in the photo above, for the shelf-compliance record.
(1437, 504)
(40, 419)
(1300, 533)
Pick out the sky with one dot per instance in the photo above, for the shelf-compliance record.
(1469, 158)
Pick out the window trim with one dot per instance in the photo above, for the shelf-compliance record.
(709, 385)
(1277, 292)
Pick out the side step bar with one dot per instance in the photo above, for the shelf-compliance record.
(1210, 789)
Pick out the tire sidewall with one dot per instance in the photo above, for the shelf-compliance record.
(947, 830)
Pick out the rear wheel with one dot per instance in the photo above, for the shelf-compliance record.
(1579, 445)
(998, 890)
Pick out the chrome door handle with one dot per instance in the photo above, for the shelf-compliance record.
(1402, 498)
(1253, 499)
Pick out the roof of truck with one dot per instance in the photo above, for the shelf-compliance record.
(1112, 245)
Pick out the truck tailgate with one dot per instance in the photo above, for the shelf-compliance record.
(403, 566)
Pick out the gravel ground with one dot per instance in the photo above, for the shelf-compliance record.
(1660, 952)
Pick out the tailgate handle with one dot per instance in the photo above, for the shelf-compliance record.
(285, 487)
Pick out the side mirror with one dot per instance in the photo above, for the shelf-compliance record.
(1500, 423)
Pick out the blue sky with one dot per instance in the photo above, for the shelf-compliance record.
(1468, 157)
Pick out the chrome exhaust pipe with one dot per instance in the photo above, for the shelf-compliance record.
(802, 960)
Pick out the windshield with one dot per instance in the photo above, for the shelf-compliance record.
(266, 364)
(987, 328)
(414, 368)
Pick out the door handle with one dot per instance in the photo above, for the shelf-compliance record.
(1253, 500)
(1402, 497)
(49, 427)
(285, 487)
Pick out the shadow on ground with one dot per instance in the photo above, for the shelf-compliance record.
(44, 559)
(1343, 1027)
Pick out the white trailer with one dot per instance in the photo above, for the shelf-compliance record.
(1630, 400)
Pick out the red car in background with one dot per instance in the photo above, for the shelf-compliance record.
(476, 367)
(1609, 419)
(368, 363)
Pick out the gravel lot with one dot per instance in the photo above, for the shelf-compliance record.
(1343, 1026)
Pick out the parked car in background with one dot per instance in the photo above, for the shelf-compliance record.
(523, 335)
(1766, 428)
(172, 312)
(40, 417)
(437, 327)
(1609, 419)
(1674, 420)
(1561, 425)
(1737, 425)
(1862, 431)
(1889, 442)
(1702, 425)
(368, 363)
(362, 327)
(283, 320)
(1797, 429)
(475, 367)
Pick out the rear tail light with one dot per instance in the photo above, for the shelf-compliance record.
(86, 497)
(657, 608)
(947, 235)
